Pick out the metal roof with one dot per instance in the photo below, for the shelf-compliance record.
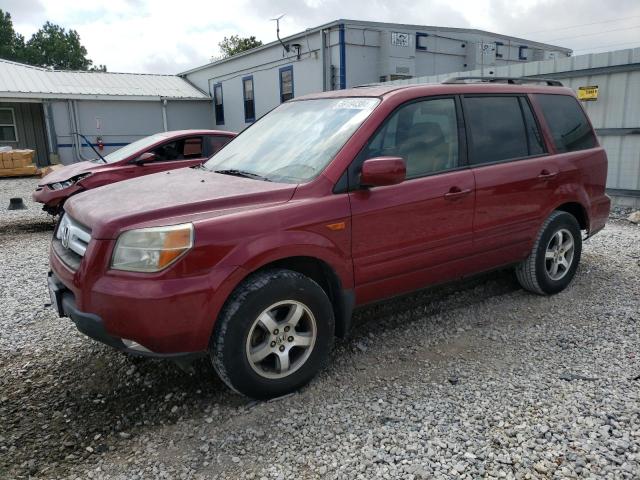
(24, 81)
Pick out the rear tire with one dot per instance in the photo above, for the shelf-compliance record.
(273, 335)
(555, 256)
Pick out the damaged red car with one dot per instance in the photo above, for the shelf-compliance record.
(152, 154)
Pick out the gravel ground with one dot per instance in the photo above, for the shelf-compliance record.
(475, 379)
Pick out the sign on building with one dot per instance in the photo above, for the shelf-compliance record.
(588, 93)
(399, 39)
(487, 48)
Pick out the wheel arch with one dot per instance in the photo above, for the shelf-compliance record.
(321, 272)
(578, 211)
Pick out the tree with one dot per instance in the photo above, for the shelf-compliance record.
(11, 43)
(51, 47)
(235, 44)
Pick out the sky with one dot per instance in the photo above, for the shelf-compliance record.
(152, 36)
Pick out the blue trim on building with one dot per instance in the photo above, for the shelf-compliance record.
(115, 144)
(244, 98)
(213, 95)
(293, 90)
(343, 58)
(420, 35)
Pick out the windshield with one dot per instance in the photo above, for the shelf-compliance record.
(294, 142)
(134, 147)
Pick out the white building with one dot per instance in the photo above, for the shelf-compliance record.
(346, 53)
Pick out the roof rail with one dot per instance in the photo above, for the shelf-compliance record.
(509, 80)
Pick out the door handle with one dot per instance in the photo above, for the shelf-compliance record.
(455, 193)
(546, 174)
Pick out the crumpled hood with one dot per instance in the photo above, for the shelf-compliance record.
(69, 171)
(157, 198)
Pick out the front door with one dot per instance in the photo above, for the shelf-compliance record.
(409, 235)
(180, 153)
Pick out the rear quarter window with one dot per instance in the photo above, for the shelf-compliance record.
(567, 122)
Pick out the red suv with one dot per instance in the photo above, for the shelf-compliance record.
(329, 202)
(153, 154)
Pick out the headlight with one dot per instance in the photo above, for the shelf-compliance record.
(69, 182)
(151, 249)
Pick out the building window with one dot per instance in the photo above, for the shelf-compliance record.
(8, 130)
(421, 41)
(286, 83)
(498, 51)
(217, 103)
(522, 52)
(249, 104)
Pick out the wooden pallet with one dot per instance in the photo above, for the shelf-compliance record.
(28, 171)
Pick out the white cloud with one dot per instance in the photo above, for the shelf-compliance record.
(168, 37)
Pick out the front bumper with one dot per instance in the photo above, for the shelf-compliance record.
(53, 199)
(63, 300)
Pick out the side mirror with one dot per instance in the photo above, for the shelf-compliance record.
(380, 171)
(146, 157)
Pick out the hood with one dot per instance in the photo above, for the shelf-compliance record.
(161, 197)
(69, 171)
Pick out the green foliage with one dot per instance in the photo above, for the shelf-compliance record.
(235, 44)
(11, 43)
(51, 46)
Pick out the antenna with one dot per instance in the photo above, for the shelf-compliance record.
(277, 19)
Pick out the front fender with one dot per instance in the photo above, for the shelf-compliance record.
(251, 256)
(257, 253)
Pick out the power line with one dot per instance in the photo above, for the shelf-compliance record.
(607, 46)
(593, 33)
(582, 25)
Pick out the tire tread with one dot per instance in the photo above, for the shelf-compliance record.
(253, 283)
(526, 270)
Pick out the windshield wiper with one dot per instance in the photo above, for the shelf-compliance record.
(242, 173)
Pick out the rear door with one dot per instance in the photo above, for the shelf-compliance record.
(406, 236)
(514, 174)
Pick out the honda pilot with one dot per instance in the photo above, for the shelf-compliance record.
(329, 202)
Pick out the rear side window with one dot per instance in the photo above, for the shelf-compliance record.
(568, 123)
(496, 128)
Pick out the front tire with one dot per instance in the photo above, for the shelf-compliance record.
(555, 256)
(273, 335)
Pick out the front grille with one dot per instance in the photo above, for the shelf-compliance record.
(70, 258)
(70, 241)
(73, 235)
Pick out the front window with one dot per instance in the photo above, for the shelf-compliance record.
(134, 147)
(8, 131)
(296, 141)
(424, 134)
(286, 83)
(249, 104)
(217, 103)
